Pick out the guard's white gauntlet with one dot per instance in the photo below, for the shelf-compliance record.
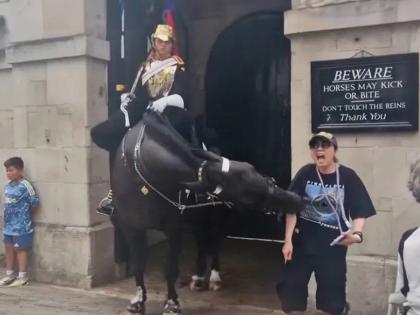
(171, 100)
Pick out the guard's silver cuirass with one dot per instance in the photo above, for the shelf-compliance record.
(160, 84)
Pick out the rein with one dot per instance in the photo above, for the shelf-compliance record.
(177, 204)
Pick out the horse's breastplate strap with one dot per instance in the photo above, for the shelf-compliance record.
(160, 84)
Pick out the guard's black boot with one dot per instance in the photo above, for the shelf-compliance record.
(106, 206)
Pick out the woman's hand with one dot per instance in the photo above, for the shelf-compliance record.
(287, 251)
(349, 239)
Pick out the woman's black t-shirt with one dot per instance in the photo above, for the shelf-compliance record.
(317, 225)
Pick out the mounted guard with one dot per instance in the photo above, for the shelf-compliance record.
(160, 81)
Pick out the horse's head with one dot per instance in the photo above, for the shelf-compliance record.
(240, 183)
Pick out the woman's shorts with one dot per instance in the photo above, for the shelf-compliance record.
(330, 276)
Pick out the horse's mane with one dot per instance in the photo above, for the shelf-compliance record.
(165, 133)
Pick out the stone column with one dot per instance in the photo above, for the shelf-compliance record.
(54, 82)
(326, 30)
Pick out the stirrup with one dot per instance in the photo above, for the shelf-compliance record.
(105, 206)
(107, 210)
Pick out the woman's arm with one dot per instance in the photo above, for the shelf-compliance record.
(288, 244)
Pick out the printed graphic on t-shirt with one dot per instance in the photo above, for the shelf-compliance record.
(324, 200)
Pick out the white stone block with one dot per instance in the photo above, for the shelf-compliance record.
(58, 48)
(361, 160)
(26, 20)
(300, 66)
(42, 19)
(302, 4)
(42, 124)
(63, 17)
(48, 164)
(61, 255)
(365, 38)
(6, 91)
(20, 130)
(95, 18)
(389, 172)
(300, 136)
(6, 129)
(76, 166)
(64, 128)
(378, 235)
(98, 160)
(406, 37)
(368, 13)
(97, 92)
(63, 165)
(63, 204)
(368, 284)
(29, 84)
(66, 81)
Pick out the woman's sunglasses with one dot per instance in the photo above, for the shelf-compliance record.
(324, 144)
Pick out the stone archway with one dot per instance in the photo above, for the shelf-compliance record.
(247, 101)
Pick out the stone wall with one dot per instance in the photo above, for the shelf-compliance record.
(381, 159)
(52, 91)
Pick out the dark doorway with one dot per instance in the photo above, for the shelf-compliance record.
(248, 103)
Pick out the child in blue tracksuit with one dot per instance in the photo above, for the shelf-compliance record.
(20, 199)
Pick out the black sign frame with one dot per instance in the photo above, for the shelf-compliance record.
(394, 106)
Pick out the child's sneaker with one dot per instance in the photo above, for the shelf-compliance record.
(6, 281)
(19, 282)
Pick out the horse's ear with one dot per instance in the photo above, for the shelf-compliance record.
(207, 155)
(196, 186)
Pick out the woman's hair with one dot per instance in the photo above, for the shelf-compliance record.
(414, 179)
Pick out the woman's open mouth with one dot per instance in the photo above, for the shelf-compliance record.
(320, 156)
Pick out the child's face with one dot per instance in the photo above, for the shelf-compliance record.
(14, 173)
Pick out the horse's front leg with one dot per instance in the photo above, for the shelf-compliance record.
(216, 235)
(198, 279)
(137, 242)
(174, 236)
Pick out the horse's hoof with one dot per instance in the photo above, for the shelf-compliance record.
(215, 285)
(172, 307)
(197, 284)
(137, 308)
(215, 281)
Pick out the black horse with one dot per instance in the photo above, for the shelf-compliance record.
(151, 168)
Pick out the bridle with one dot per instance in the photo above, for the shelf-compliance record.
(271, 186)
